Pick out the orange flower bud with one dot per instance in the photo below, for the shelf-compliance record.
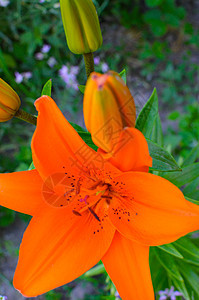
(9, 101)
(81, 25)
(108, 108)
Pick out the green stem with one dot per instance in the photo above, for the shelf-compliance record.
(89, 63)
(23, 115)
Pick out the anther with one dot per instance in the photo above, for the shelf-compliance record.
(94, 214)
(76, 213)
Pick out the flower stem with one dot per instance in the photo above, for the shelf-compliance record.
(89, 63)
(23, 115)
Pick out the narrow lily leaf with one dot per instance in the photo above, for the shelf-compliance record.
(47, 88)
(31, 167)
(188, 174)
(147, 117)
(168, 263)
(169, 248)
(123, 75)
(193, 155)
(162, 160)
(78, 128)
(191, 277)
(157, 134)
(191, 190)
(95, 271)
(82, 88)
(192, 200)
(87, 139)
(188, 249)
(181, 287)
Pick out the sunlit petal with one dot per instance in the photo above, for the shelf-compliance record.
(21, 191)
(153, 211)
(127, 263)
(57, 247)
(56, 146)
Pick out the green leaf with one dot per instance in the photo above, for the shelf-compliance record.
(152, 3)
(123, 75)
(7, 216)
(157, 134)
(193, 155)
(191, 277)
(87, 139)
(188, 249)
(162, 160)
(181, 287)
(77, 127)
(191, 190)
(147, 117)
(187, 174)
(47, 88)
(31, 167)
(82, 88)
(192, 200)
(168, 263)
(95, 271)
(169, 248)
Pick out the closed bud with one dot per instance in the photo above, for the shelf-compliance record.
(9, 101)
(81, 25)
(108, 108)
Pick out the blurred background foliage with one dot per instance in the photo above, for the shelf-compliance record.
(157, 41)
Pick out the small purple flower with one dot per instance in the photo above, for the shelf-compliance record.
(41, 1)
(18, 77)
(105, 67)
(46, 48)
(97, 60)
(117, 296)
(74, 70)
(51, 62)
(69, 76)
(39, 56)
(27, 75)
(169, 294)
(4, 3)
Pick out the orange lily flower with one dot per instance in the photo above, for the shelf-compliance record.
(108, 108)
(85, 209)
(110, 114)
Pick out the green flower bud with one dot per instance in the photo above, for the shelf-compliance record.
(81, 25)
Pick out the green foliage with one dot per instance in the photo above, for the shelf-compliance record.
(47, 88)
(173, 264)
(158, 15)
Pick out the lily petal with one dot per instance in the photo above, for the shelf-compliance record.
(56, 144)
(131, 153)
(59, 246)
(21, 191)
(153, 210)
(127, 263)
